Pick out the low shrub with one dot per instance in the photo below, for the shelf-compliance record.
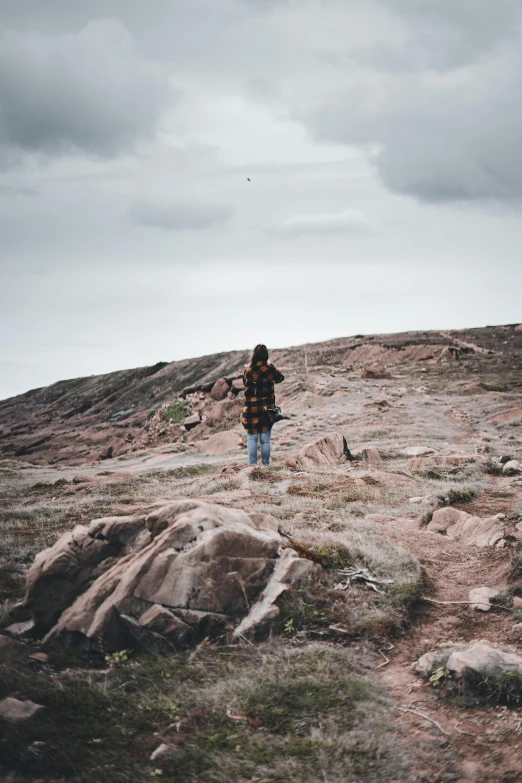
(176, 411)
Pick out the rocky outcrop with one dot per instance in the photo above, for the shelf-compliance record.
(189, 570)
(330, 449)
(461, 526)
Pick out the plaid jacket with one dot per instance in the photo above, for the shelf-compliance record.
(264, 375)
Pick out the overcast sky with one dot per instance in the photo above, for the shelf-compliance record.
(382, 141)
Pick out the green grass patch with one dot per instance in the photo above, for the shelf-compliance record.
(176, 412)
(232, 714)
(458, 495)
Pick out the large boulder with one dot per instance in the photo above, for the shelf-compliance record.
(330, 449)
(461, 526)
(168, 579)
(220, 389)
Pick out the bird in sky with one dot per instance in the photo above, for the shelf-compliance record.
(248, 179)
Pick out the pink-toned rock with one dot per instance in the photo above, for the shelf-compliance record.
(192, 569)
(215, 413)
(189, 422)
(290, 463)
(59, 574)
(220, 389)
(443, 518)
(289, 569)
(517, 602)
(480, 598)
(238, 385)
(445, 461)
(371, 454)
(471, 530)
(220, 443)
(330, 449)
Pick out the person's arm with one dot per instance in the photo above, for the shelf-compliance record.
(277, 376)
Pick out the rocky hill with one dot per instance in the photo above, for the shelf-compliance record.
(85, 419)
(169, 611)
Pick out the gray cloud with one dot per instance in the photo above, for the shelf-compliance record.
(449, 33)
(177, 216)
(349, 221)
(448, 136)
(88, 91)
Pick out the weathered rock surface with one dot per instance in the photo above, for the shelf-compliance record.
(330, 449)
(221, 442)
(16, 711)
(460, 526)
(61, 573)
(185, 571)
(479, 657)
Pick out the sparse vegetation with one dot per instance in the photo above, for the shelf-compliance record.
(176, 411)
(457, 495)
(229, 714)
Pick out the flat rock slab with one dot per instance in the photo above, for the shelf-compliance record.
(16, 711)
(479, 657)
(444, 461)
(471, 530)
(417, 451)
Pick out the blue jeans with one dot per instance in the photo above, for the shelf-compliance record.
(264, 438)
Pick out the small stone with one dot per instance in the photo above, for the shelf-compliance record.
(40, 657)
(517, 602)
(480, 598)
(512, 468)
(16, 711)
(417, 451)
(163, 751)
(20, 629)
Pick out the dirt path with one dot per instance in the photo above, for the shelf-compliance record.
(480, 744)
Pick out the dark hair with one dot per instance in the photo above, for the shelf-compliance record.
(259, 354)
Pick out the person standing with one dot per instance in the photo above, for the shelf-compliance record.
(259, 378)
